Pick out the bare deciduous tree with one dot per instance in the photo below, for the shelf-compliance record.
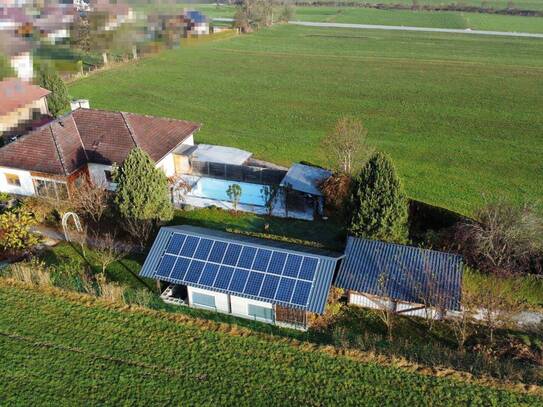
(387, 307)
(269, 194)
(345, 144)
(108, 250)
(503, 238)
(90, 199)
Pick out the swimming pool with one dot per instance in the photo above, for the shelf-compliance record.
(251, 194)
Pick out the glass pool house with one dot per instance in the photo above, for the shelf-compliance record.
(208, 171)
(246, 277)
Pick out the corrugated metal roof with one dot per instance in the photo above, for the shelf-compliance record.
(305, 178)
(320, 286)
(402, 273)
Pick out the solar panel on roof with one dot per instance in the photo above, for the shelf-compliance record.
(232, 254)
(208, 274)
(308, 268)
(223, 277)
(189, 247)
(292, 265)
(176, 242)
(239, 278)
(301, 292)
(277, 263)
(165, 266)
(194, 271)
(247, 256)
(285, 289)
(253, 283)
(202, 252)
(180, 268)
(262, 259)
(269, 286)
(217, 252)
(239, 269)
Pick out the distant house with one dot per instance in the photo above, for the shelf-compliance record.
(18, 52)
(197, 23)
(406, 280)
(22, 107)
(251, 278)
(14, 20)
(54, 23)
(85, 143)
(117, 12)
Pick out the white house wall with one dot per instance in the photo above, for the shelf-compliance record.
(167, 165)
(221, 300)
(240, 306)
(374, 303)
(22, 65)
(27, 186)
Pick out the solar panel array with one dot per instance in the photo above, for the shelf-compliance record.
(239, 268)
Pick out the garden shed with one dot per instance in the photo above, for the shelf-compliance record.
(254, 278)
(407, 280)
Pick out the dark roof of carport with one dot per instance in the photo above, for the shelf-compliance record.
(289, 275)
(401, 273)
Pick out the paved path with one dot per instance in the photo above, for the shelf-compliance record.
(421, 29)
(404, 28)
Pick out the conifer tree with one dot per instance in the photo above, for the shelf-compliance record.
(58, 100)
(142, 197)
(378, 202)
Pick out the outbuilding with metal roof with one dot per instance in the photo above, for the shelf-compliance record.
(261, 279)
(408, 280)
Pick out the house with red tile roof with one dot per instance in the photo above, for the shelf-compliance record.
(22, 107)
(84, 144)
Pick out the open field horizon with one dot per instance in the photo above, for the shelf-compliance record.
(461, 116)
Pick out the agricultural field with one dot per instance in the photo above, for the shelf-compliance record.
(104, 355)
(459, 114)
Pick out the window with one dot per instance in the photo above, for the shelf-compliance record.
(109, 175)
(203, 300)
(13, 179)
(259, 312)
(51, 189)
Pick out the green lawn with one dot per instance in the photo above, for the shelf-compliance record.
(459, 114)
(60, 352)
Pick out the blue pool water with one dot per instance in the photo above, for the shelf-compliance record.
(251, 194)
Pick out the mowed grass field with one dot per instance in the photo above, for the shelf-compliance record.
(358, 15)
(56, 351)
(459, 114)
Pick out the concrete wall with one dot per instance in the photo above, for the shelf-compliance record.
(22, 65)
(221, 300)
(27, 186)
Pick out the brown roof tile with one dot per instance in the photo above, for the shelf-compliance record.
(15, 94)
(96, 136)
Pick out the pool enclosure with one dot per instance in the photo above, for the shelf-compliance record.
(206, 172)
(252, 278)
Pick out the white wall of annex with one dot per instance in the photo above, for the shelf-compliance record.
(27, 186)
(221, 300)
(240, 306)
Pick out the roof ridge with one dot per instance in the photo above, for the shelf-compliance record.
(80, 139)
(130, 130)
(60, 156)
